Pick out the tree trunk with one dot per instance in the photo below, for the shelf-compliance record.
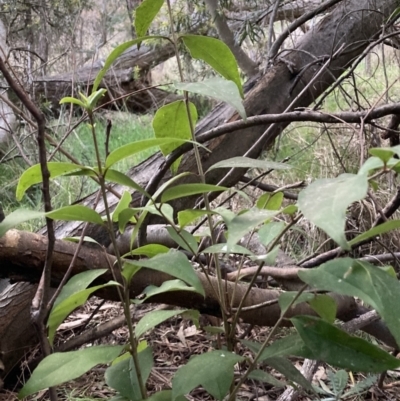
(129, 74)
(349, 28)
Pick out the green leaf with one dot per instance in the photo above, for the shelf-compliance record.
(145, 14)
(78, 283)
(217, 88)
(171, 121)
(291, 345)
(338, 382)
(136, 147)
(186, 217)
(215, 53)
(17, 217)
(153, 319)
(265, 377)
(129, 269)
(65, 307)
(76, 213)
(123, 204)
(377, 230)
(33, 175)
(165, 395)
(374, 286)
(184, 239)
(166, 286)
(241, 224)
(60, 367)
(94, 98)
(114, 55)
(286, 367)
(375, 163)
(176, 264)
(268, 232)
(212, 370)
(384, 154)
(334, 346)
(184, 190)
(73, 101)
(228, 249)
(150, 250)
(123, 179)
(325, 202)
(325, 306)
(290, 210)
(247, 162)
(122, 376)
(270, 201)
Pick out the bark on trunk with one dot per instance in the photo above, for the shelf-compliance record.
(129, 74)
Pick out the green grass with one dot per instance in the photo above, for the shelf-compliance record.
(126, 128)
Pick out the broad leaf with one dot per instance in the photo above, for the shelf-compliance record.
(120, 178)
(325, 203)
(129, 269)
(247, 162)
(150, 250)
(17, 217)
(122, 376)
(217, 88)
(186, 217)
(76, 213)
(184, 190)
(123, 204)
(33, 175)
(145, 14)
(171, 121)
(384, 154)
(241, 224)
(60, 367)
(212, 370)
(153, 319)
(166, 286)
(78, 283)
(176, 264)
(65, 307)
(184, 239)
(360, 279)
(334, 346)
(215, 53)
(268, 232)
(270, 201)
(137, 147)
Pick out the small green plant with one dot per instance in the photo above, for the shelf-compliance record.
(323, 203)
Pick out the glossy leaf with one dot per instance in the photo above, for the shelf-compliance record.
(166, 286)
(325, 202)
(123, 204)
(65, 307)
(33, 175)
(176, 264)
(145, 14)
(247, 162)
(184, 239)
(171, 121)
(133, 148)
(212, 370)
(78, 283)
(76, 213)
(60, 367)
(120, 178)
(334, 346)
(217, 88)
(215, 53)
(17, 217)
(122, 376)
(184, 190)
